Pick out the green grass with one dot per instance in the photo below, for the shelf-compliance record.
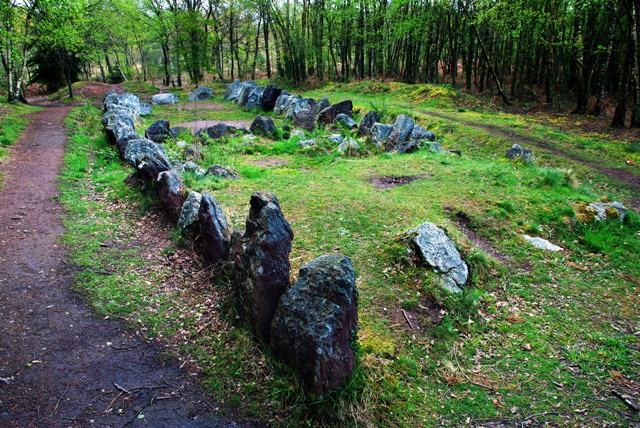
(13, 122)
(546, 334)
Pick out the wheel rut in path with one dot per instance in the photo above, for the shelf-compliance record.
(60, 366)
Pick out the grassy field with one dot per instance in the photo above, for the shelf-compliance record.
(12, 124)
(536, 337)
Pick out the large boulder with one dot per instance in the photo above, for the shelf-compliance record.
(188, 220)
(269, 96)
(247, 87)
(233, 91)
(123, 142)
(519, 153)
(431, 245)
(158, 131)
(315, 324)
(402, 128)
(214, 132)
(138, 147)
(214, 231)
(255, 99)
(261, 263)
(171, 193)
(201, 93)
(305, 119)
(364, 129)
(118, 123)
(328, 115)
(379, 133)
(323, 104)
(419, 134)
(164, 99)
(148, 157)
(125, 101)
(299, 105)
(282, 102)
(408, 146)
(263, 125)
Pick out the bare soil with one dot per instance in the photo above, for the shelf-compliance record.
(60, 365)
(390, 181)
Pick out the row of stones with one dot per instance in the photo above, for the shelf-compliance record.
(311, 325)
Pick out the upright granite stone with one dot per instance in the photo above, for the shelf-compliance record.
(269, 97)
(247, 87)
(364, 129)
(261, 263)
(254, 101)
(282, 103)
(148, 157)
(188, 221)
(402, 128)
(314, 328)
(263, 125)
(432, 246)
(201, 93)
(125, 101)
(136, 148)
(380, 132)
(171, 193)
(328, 115)
(233, 91)
(213, 231)
(305, 119)
(164, 99)
(323, 104)
(118, 123)
(158, 131)
(299, 105)
(519, 153)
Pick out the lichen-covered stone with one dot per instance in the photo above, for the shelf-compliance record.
(214, 132)
(170, 191)
(364, 129)
(402, 128)
(261, 263)
(541, 243)
(282, 102)
(314, 328)
(233, 91)
(214, 231)
(201, 93)
(432, 246)
(247, 87)
(145, 109)
(188, 220)
(345, 121)
(263, 125)
(519, 153)
(158, 131)
(328, 115)
(306, 143)
(348, 145)
(420, 134)
(138, 147)
(254, 101)
(222, 172)
(379, 134)
(306, 119)
(164, 99)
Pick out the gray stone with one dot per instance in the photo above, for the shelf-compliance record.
(270, 96)
(200, 93)
(435, 147)
(379, 134)
(345, 121)
(254, 101)
(158, 131)
(306, 143)
(282, 102)
(247, 87)
(136, 148)
(192, 153)
(125, 101)
(171, 193)
(123, 142)
(348, 145)
(176, 131)
(263, 125)
(222, 172)
(602, 208)
(315, 325)
(145, 109)
(328, 115)
(420, 134)
(297, 133)
(214, 132)
(164, 99)
(336, 138)
(190, 166)
(305, 119)
(432, 246)
(323, 104)
(188, 221)
(148, 157)
(261, 264)
(118, 123)
(541, 243)
(299, 105)
(177, 165)
(408, 146)
(519, 153)
(214, 232)
(364, 130)
(233, 91)
(402, 128)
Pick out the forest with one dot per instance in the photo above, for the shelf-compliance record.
(585, 51)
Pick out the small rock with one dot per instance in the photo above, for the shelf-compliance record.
(306, 143)
(435, 147)
(336, 138)
(182, 144)
(420, 134)
(164, 99)
(214, 132)
(222, 172)
(345, 121)
(606, 211)
(541, 243)
(193, 167)
(297, 133)
(348, 145)
(176, 131)
(200, 93)
(145, 109)
(519, 153)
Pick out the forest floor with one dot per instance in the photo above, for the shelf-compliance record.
(61, 365)
(536, 339)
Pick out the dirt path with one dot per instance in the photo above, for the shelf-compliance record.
(633, 180)
(60, 366)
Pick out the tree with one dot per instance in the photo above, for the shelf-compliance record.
(15, 41)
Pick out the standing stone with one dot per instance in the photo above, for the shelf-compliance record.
(305, 119)
(433, 246)
(269, 96)
(519, 153)
(189, 213)
(214, 132)
(254, 101)
(402, 128)
(328, 115)
(233, 91)
(263, 125)
(323, 104)
(164, 99)
(345, 121)
(118, 123)
(261, 263)
(214, 231)
(136, 148)
(364, 130)
(171, 193)
(298, 105)
(282, 102)
(200, 93)
(379, 133)
(314, 327)
(247, 87)
(158, 131)
(420, 134)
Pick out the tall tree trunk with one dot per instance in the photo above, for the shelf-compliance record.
(633, 47)
(620, 114)
(604, 62)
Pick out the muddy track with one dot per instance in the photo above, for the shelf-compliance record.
(619, 174)
(61, 366)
